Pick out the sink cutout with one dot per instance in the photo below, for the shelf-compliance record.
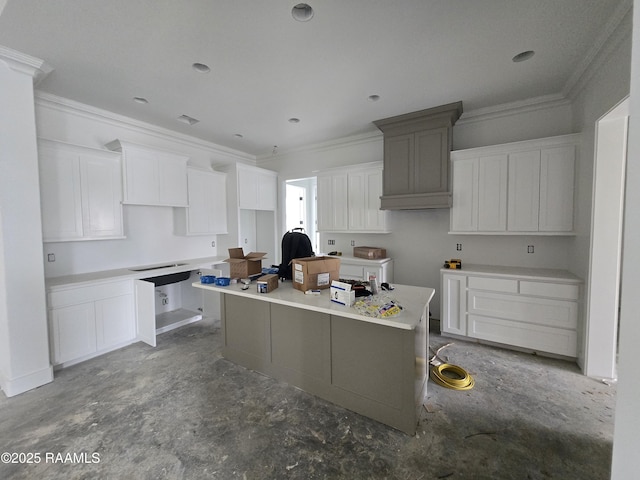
(146, 269)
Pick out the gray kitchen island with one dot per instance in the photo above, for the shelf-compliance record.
(376, 367)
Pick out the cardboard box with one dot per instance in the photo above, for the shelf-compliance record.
(267, 283)
(342, 293)
(242, 266)
(314, 272)
(370, 253)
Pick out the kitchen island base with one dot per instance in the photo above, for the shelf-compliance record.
(374, 369)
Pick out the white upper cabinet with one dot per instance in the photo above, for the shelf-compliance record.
(257, 188)
(152, 176)
(516, 188)
(333, 211)
(349, 200)
(81, 192)
(207, 210)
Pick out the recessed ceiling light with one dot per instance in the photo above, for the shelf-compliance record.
(238, 135)
(522, 56)
(373, 98)
(188, 120)
(294, 120)
(302, 12)
(141, 100)
(201, 68)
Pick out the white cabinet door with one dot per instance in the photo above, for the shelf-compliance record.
(74, 332)
(524, 191)
(333, 214)
(556, 189)
(101, 196)
(141, 177)
(60, 194)
(207, 211)
(364, 190)
(453, 305)
(81, 192)
(464, 209)
(492, 193)
(115, 321)
(145, 312)
(152, 176)
(257, 188)
(267, 191)
(247, 188)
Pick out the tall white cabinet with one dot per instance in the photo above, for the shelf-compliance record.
(81, 192)
(516, 188)
(251, 211)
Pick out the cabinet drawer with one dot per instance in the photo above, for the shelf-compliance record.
(539, 311)
(89, 293)
(536, 337)
(553, 290)
(352, 272)
(496, 284)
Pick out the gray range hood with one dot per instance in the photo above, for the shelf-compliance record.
(416, 158)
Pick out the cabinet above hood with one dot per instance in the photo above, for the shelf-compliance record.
(416, 158)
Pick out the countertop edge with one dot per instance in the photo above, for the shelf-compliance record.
(311, 302)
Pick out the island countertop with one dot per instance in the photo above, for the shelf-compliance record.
(412, 299)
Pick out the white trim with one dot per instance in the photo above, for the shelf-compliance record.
(16, 386)
(72, 107)
(23, 63)
(513, 108)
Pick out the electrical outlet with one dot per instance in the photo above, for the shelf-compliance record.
(459, 247)
(530, 249)
(51, 257)
(353, 243)
(213, 244)
(331, 242)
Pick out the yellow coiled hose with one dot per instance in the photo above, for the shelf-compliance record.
(460, 381)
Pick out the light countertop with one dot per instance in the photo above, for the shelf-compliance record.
(545, 274)
(412, 299)
(133, 272)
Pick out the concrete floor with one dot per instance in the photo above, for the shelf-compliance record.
(180, 411)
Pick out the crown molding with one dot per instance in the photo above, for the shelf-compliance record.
(514, 108)
(26, 64)
(72, 107)
(609, 39)
(343, 142)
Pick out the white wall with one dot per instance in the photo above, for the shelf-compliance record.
(149, 230)
(626, 441)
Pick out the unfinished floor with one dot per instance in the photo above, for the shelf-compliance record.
(180, 411)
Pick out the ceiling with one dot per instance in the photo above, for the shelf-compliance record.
(267, 67)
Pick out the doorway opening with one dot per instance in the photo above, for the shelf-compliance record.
(300, 207)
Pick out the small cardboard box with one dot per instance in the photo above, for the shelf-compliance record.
(311, 273)
(242, 266)
(267, 283)
(341, 293)
(370, 253)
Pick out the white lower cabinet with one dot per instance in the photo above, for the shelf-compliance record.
(89, 320)
(538, 313)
